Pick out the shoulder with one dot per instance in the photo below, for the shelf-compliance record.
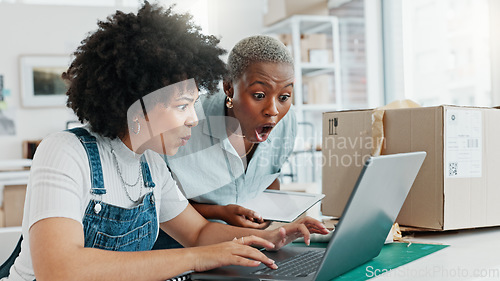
(60, 160)
(60, 137)
(61, 153)
(61, 143)
(158, 167)
(155, 159)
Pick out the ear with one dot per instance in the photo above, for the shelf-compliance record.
(228, 88)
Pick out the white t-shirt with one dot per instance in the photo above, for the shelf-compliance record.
(59, 186)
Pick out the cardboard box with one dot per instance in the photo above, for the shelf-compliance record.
(29, 148)
(13, 204)
(318, 89)
(2, 217)
(320, 56)
(308, 42)
(458, 184)
(278, 10)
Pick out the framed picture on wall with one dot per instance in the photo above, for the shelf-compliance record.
(41, 82)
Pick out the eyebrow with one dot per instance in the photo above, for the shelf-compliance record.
(185, 98)
(262, 83)
(257, 82)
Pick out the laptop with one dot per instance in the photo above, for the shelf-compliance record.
(379, 194)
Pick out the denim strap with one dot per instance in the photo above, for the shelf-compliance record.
(90, 144)
(146, 174)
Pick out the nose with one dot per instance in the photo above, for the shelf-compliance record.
(192, 119)
(271, 109)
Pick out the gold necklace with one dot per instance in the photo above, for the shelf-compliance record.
(244, 155)
(237, 135)
(242, 136)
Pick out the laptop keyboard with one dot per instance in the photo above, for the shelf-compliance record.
(298, 266)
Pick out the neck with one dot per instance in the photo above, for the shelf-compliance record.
(230, 112)
(128, 143)
(233, 127)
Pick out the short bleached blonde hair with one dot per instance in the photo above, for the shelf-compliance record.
(257, 48)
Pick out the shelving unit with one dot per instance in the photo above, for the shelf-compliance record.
(299, 25)
(309, 102)
(338, 83)
(14, 172)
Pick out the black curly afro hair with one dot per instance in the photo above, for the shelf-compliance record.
(131, 55)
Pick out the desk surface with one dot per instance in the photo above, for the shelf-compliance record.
(472, 255)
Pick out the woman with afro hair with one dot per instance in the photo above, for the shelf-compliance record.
(98, 194)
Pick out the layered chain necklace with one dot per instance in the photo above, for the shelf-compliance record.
(125, 184)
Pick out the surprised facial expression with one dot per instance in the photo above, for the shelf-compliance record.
(261, 98)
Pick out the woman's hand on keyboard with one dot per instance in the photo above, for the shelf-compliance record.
(236, 252)
(301, 228)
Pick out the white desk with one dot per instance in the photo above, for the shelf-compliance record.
(472, 255)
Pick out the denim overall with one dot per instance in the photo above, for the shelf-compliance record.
(110, 227)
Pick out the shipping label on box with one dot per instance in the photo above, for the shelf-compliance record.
(464, 138)
(457, 186)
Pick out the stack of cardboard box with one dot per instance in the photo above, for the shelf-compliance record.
(310, 43)
(278, 10)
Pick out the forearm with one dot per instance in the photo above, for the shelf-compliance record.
(58, 253)
(209, 211)
(218, 232)
(191, 229)
(96, 264)
(275, 185)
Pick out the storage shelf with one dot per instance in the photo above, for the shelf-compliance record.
(309, 24)
(319, 107)
(15, 171)
(15, 163)
(311, 85)
(296, 26)
(312, 69)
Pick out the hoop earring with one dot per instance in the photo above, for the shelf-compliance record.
(138, 130)
(229, 102)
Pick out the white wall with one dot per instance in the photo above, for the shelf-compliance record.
(38, 29)
(233, 20)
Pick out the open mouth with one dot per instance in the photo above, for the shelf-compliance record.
(262, 132)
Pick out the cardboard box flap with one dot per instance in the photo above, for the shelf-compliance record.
(345, 150)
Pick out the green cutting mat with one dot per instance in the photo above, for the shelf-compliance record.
(391, 256)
